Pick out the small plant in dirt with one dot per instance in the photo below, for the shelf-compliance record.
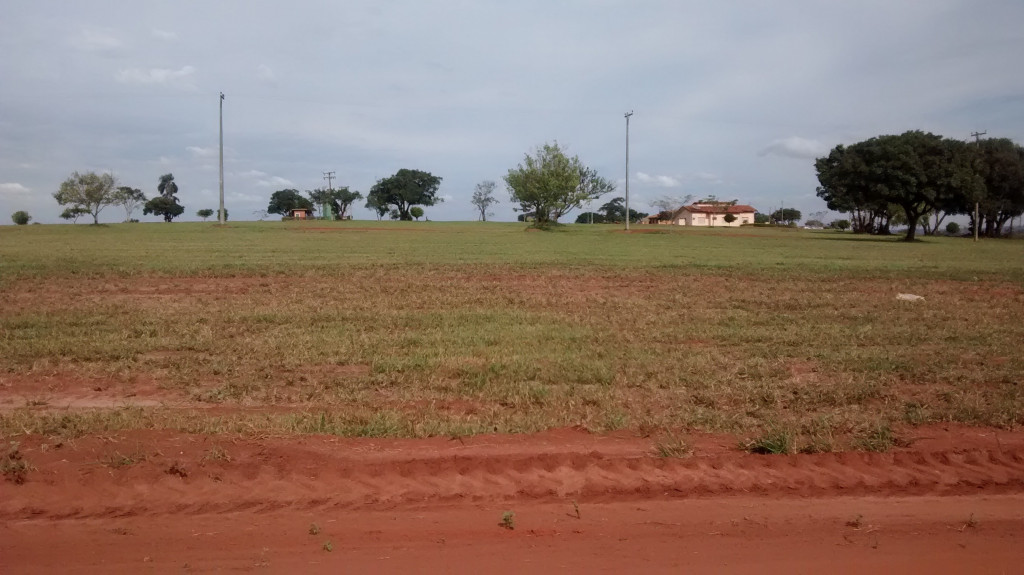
(856, 522)
(216, 453)
(576, 508)
(314, 529)
(508, 520)
(775, 441)
(878, 438)
(970, 524)
(118, 460)
(672, 447)
(328, 546)
(13, 465)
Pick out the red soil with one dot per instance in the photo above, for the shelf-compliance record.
(952, 502)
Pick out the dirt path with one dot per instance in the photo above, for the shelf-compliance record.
(155, 501)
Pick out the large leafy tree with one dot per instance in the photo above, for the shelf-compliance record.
(284, 201)
(87, 193)
(550, 184)
(406, 188)
(788, 215)
(1000, 197)
(130, 199)
(913, 173)
(379, 209)
(483, 198)
(165, 205)
(339, 200)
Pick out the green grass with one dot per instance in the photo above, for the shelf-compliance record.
(332, 247)
(417, 329)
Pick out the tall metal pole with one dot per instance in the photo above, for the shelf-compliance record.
(220, 213)
(628, 114)
(977, 142)
(326, 208)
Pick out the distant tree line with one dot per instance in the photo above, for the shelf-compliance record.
(918, 178)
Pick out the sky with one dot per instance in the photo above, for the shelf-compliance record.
(734, 98)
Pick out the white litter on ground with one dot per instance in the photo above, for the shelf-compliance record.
(909, 297)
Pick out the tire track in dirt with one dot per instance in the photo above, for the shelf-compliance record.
(316, 479)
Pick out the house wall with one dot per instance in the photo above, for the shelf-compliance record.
(716, 220)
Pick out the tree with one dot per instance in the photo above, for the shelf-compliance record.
(167, 208)
(483, 198)
(73, 214)
(373, 203)
(130, 199)
(166, 204)
(729, 218)
(788, 215)
(21, 217)
(416, 212)
(550, 184)
(339, 201)
(905, 176)
(88, 193)
(671, 203)
(406, 188)
(204, 213)
(760, 218)
(952, 228)
(225, 214)
(284, 201)
(589, 217)
(1000, 164)
(841, 225)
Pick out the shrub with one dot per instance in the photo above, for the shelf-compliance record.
(952, 228)
(21, 217)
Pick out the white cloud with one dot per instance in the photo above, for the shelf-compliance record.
(446, 197)
(659, 181)
(181, 76)
(203, 152)
(708, 177)
(93, 40)
(265, 74)
(795, 147)
(164, 34)
(253, 174)
(13, 189)
(276, 181)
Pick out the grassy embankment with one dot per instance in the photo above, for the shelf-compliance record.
(368, 328)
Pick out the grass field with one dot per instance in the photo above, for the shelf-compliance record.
(413, 329)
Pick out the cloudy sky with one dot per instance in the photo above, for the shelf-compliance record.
(732, 98)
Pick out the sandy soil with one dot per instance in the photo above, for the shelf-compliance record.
(167, 502)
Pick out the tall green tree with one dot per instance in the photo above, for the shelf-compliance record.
(284, 201)
(130, 199)
(21, 218)
(165, 205)
(89, 193)
(204, 213)
(549, 184)
(374, 203)
(788, 215)
(339, 200)
(916, 172)
(1000, 164)
(406, 188)
(483, 198)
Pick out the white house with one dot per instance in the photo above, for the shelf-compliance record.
(713, 214)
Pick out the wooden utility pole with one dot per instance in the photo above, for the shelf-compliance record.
(977, 142)
(326, 208)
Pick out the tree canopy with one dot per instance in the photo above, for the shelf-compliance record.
(615, 212)
(549, 184)
(130, 199)
(406, 188)
(284, 201)
(87, 193)
(21, 218)
(483, 198)
(205, 213)
(166, 204)
(902, 179)
(788, 215)
(339, 201)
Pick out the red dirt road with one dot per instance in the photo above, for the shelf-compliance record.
(161, 502)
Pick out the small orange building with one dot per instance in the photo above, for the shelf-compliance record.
(301, 214)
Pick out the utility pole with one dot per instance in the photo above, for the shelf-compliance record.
(330, 188)
(977, 142)
(628, 114)
(220, 213)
